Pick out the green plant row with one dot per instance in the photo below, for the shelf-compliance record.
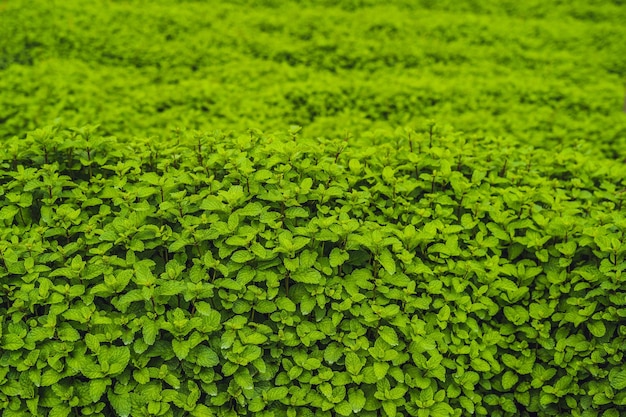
(405, 273)
(542, 73)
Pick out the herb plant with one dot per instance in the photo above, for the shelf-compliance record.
(422, 273)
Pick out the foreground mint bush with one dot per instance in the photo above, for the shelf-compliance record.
(421, 274)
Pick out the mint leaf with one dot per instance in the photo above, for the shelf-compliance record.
(60, 411)
(277, 394)
(390, 408)
(386, 260)
(356, 399)
(353, 363)
(617, 378)
(12, 342)
(338, 257)
(97, 388)
(121, 403)
(509, 379)
(389, 335)
(181, 348)
(243, 378)
(310, 276)
(343, 408)
(206, 357)
(480, 365)
(596, 328)
(150, 331)
(380, 369)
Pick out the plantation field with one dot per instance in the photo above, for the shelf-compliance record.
(538, 72)
(318, 208)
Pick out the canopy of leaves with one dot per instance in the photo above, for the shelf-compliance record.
(542, 72)
(166, 259)
(410, 273)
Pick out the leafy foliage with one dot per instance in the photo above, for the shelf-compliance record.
(541, 72)
(155, 266)
(409, 273)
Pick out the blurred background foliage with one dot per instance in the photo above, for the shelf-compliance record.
(538, 72)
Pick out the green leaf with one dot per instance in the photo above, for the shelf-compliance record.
(307, 258)
(258, 250)
(142, 376)
(121, 403)
(265, 306)
(50, 377)
(143, 275)
(389, 335)
(467, 404)
(357, 400)
(333, 352)
(92, 371)
(296, 212)
(203, 308)
(202, 410)
(170, 288)
(546, 399)
(117, 357)
(67, 333)
(516, 314)
(311, 364)
(60, 411)
(444, 313)
(172, 381)
(568, 249)
(338, 257)
(149, 331)
(386, 260)
(245, 275)
(256, 404)
(596, 328)
(250, 210)
(181, 348)
(309, 276)
(380, 369)
(213, 203)
(294, 372)
(390, 408)
(480, 365)
(617, 378)
(229, 284)
(97, 388)
(206, 357)
(243, 378)
(509, 379)
(286, 304)
(396, 393)
(8, 212)
(441, 409)
(242, 256)
(343, 409)
(259, 364)
(277, 393)
(12, 342)
(254, 338)
(291, 264)
(354, 165)
(388, 174)
(540, 311)
(353, 363)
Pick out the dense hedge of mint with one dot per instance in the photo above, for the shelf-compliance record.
(541, 72)
(409, 273)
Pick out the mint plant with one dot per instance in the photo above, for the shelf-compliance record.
(274, 274)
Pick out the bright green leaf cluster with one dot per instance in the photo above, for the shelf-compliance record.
(274, 275)
(540, 72)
